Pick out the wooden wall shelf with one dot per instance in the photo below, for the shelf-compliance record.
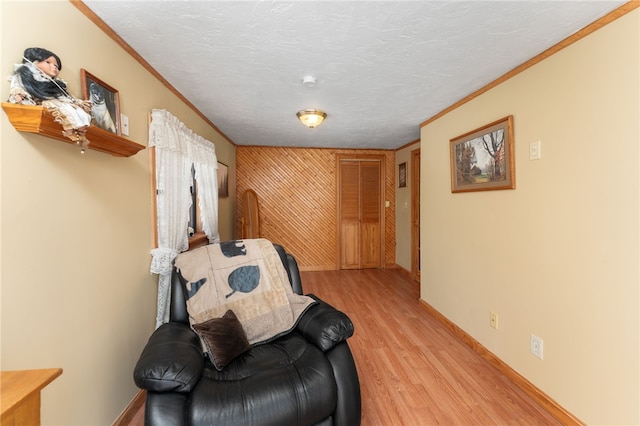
(36, 119)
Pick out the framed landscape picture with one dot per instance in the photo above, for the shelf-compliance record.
(482, 159)
(402, 175)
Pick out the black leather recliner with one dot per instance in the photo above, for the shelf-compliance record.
(306, 377)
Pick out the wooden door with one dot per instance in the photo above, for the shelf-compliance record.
(370, 214)
(349, 214)
(360, 215)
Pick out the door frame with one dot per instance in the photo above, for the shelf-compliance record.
(383, 178)
(415, 214)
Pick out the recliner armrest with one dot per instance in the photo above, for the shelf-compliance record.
(171, 361)
(324, 326)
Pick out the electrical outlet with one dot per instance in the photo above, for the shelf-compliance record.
(536, 346)
(534, 150)
(493, 320)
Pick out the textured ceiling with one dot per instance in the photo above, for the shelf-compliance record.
(382, 67)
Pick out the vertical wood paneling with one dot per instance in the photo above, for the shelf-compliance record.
(296, 190)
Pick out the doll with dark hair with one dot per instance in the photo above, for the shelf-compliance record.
(35, 82)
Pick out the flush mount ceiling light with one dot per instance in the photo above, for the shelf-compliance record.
(311, 117)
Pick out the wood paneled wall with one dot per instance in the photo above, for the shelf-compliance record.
(297, 197)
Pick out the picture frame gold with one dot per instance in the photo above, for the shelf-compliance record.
(483, 159)
(105, 102)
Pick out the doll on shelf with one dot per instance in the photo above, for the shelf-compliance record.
(35, 82)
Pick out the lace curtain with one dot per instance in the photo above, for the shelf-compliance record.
(177, 149)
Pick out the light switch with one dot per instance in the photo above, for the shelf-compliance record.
(124, 125)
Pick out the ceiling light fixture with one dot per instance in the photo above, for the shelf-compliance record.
(311, 117)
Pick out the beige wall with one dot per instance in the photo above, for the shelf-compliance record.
(403, 210)
(558, 256)
(76, 229)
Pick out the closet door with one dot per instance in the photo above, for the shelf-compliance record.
(349, 214)
(370, 214)
(360, 214)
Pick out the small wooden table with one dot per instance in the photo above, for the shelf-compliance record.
(20, 395)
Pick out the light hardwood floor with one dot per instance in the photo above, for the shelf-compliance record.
(414, 371)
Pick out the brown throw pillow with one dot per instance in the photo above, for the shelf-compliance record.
(224, 339)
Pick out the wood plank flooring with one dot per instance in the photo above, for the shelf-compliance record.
(412, 370)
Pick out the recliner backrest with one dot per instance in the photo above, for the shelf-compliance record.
(178, 304)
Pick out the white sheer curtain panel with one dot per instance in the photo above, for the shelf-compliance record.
(177, 148)
(207, 181)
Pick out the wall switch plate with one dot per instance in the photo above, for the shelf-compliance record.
(493, 320)
(534, 151)
(124, 125)
(536, 346)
